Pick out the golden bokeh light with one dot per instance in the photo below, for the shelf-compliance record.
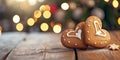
(106, 0)
(47, 7)
(65, 6)
(115, 3)
(44, 26)
(0, 30)
(47, 14)
(37, 14)
(57, 28)
(44, 8)
(19, 27)
(73, 5)
(30, 21)
(16, 18)
(119, 20)
(71, 24)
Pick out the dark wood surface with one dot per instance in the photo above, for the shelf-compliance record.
(47, 46)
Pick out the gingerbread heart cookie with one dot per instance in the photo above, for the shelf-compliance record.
(73, 38)
(95, 36)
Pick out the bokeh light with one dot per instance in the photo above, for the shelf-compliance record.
(70, 24)
(30, 21)
(119, 20)
(16, 19)
(47, 7)
(57, 28)
(115, 3)
(32, 2)
(37, 14)
(106, 0)
(46, 14)
(73, 5)
(90, 3)
(19, 27)
(42, 7)
(44, 27)
(65, 6)
(0, 30)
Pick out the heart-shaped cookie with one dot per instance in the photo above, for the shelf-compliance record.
(95, 36)
(73, 38)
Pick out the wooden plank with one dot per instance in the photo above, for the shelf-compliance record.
(101, 54)
(41, 46)
(8, 41)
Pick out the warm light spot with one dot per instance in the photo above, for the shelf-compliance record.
(57, 28)
(65, 6)
(16, 18)
(30, 21)
(32, 2)
(119, 20)
(47, 14)
(106, 0)
(42, 8)
(44, 27)
(115, 3)
(73, 5)
(0, 30)
(37, 14)
(19, 27)
(47, 7)
(71, 24)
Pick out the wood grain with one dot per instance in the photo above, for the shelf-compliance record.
(8, 41)
(41, 46)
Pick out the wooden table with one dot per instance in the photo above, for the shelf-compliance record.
(9, 41)
(47, 46)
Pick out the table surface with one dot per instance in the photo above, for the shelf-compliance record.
(47, 46)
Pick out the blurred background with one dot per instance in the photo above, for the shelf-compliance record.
(55, 15)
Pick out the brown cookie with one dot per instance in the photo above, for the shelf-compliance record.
(95, 36)
(73, 38)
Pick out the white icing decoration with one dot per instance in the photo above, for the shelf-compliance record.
(78, 34)
(98, 32)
